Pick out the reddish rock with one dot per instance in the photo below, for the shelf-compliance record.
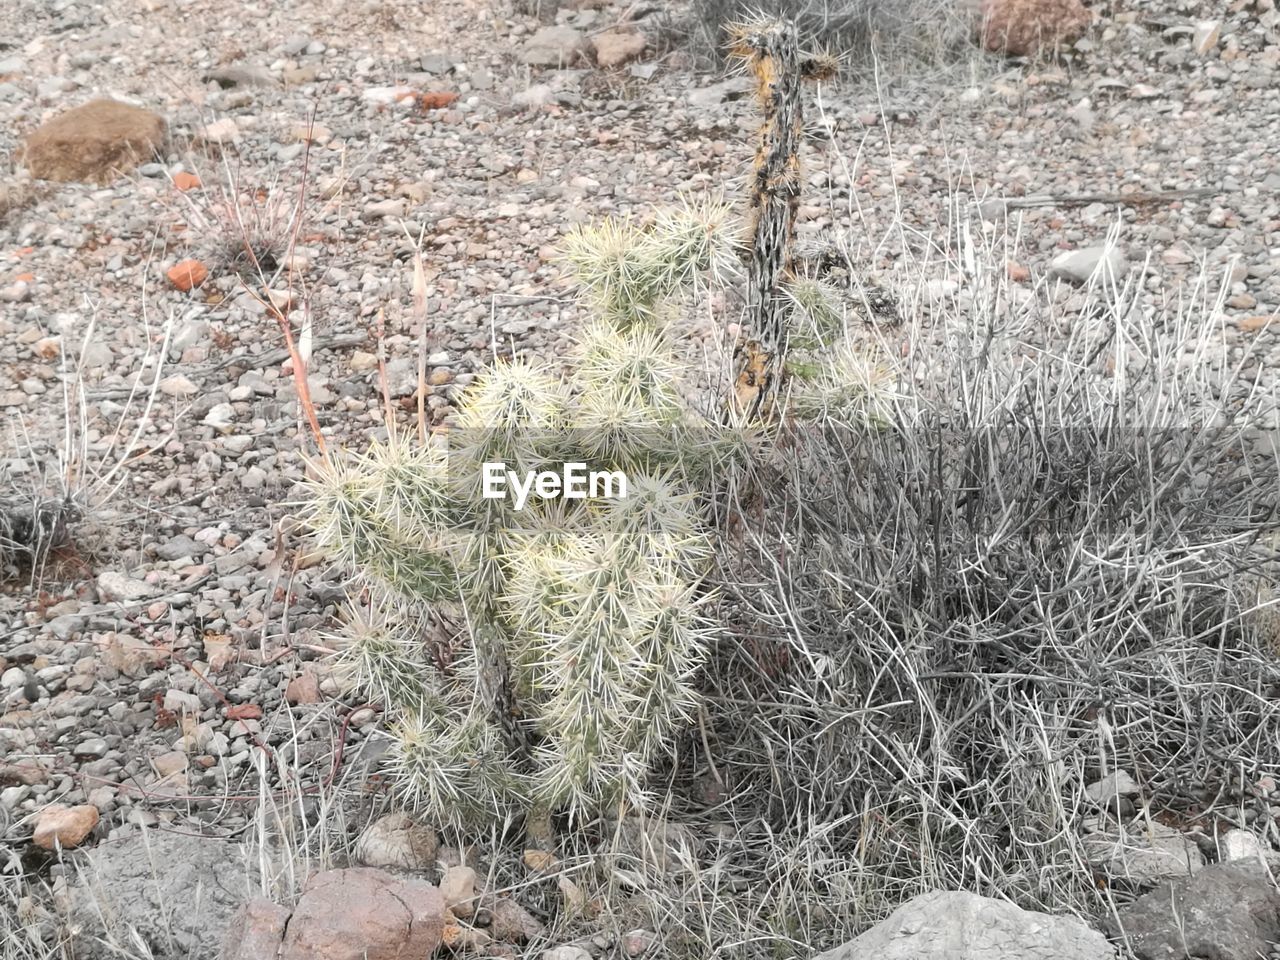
(1024, 28)
(244, 711)
(255, 931)
(1018, 273)
(186, 181)
(94, 142)
(616, 47)
(188, 274)
(437, 101)
(365, 914)
(66, 827)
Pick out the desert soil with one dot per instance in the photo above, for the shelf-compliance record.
(140, 669)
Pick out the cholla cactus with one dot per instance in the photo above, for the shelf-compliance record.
(577, 623)
(568, 631)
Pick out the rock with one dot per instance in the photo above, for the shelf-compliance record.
(385, 208)
(177, 892)
(458, 887)
(1145, 857)
(385, 96)
(735, 88)
(25, 774)
(435, 63)
(303, 689)
(616, 47)
(255, 931)
(538, 95)
(179, 701)
(167, 764)
(187, 274)
(954, 925)
(220, 131)
(512, 922)
(131, 655)
(118, 586)
(1227, 911)
(568, 952)
(364, 914)
(220, 416)
(1079, 266)
(95, 142)
(395, 840)
(653, 841)
(1025, 28)
(553, 47)
(1117, 783)
(240, 76)
(177, 386)
(636, 943)
(1206, 36)
(65, 827)
(460, 939)
(47, 347)
(1239, 845)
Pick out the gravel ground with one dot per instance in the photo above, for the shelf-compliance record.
(140, 674)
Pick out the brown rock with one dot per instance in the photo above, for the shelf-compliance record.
(66, 827)
(458, 887)
(395, 840)
(616, 47)
(512, 922)
(12, 774)
(303, 689)
(1024, 28)
(364, 914)
(188, 274)
(131, 655)
(167, 764)
(255, 931)
(186, 181)
(94, 142)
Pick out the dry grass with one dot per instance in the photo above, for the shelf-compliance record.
(905, 35)
(1042, 567)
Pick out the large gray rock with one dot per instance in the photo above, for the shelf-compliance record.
(953, 925)
(554, 47)
(177, 892)
(1227, 911)
(1144, 856)
(1079, 266)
